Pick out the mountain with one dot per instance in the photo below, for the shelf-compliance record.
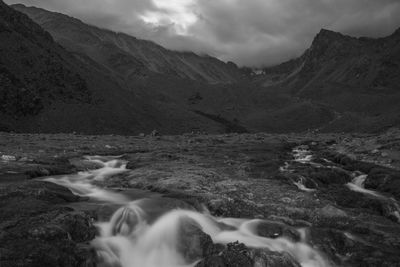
(217, 91)
(357, 78)
(127, 55)
(45, 88)
(340, 83)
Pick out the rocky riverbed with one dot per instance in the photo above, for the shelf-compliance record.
(336, 195)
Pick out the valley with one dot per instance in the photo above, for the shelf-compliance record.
(300, 192)
(118, 152)
(332, 87)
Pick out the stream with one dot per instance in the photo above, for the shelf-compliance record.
(141, 233)
(303, 155)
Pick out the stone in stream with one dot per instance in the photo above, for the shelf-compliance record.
(272, 229)
(330, 176)
(238, 255)
(193, 243)
(124, 221)
(384, 180)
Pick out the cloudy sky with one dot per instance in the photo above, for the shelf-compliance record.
(247, 32)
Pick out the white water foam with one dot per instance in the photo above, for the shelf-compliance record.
(300, 184)
(357, 185)
(82, 184)
(132, 239)
(302, 155)
(129, 241)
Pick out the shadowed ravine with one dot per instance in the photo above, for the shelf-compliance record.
(131, 238)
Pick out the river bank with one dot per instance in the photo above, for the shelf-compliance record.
(290, 182)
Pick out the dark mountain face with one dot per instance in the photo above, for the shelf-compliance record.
(182, 84)
(45, 88)
(128, 56)
(120, 84)
(33, 69)
(358, 78)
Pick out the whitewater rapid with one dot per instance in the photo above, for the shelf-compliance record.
(133, 237)
(83, 183)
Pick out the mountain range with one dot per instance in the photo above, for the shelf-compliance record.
(60, 74)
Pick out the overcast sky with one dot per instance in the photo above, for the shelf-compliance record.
(247, 32)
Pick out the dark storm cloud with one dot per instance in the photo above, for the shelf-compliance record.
(248, 32)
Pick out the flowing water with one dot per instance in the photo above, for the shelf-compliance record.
(357, 185)
(303, 155)
(136, 236)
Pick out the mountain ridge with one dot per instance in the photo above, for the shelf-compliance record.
(148, 55)
(356, 77)
(45, 88)
(340, 83)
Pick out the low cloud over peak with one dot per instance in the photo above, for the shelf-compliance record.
(251, 33)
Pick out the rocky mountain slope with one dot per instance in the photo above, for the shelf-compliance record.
(33, 69)
(228, 98)
(340, 84)
(128, 56)
(356, 77)
(45, 88)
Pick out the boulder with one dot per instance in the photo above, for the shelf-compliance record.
(272, 229)
(384, 180)
(331, 176)
(266, 258)
(193, 243)
(238, 255)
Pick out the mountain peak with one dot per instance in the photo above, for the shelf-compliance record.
(329, 35)
(327, 39)
(396, 32)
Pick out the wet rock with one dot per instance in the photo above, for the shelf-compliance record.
(384, 180)
(124, 221)
(234, 255)
(266, 258)
(238, 255)
(212, 261)
(193, 243)
(38, 172)
(332, 242)
(83, 165)
(275, 229)
(131, 165)
(332, 176)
